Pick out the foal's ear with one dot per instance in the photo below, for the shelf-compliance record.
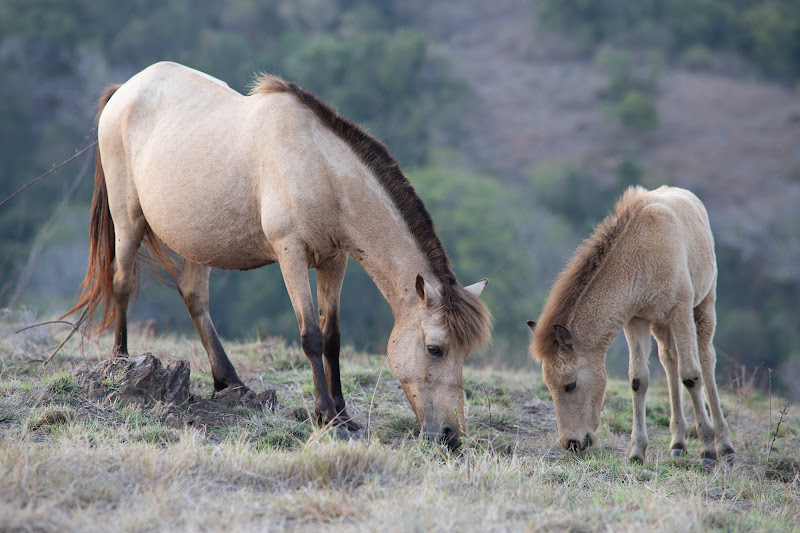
(563, 336)
(426, 292)
(531, 324)
(477, 288)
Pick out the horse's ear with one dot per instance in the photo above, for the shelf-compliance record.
(477, 288)
(531, 324)
(426, 292)
(563, 336)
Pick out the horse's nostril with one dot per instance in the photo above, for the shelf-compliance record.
(573, 445)
(450, 437)
(588, 440)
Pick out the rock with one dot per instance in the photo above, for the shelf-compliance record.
(139, 380)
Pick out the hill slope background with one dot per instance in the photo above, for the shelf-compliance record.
(519, 122)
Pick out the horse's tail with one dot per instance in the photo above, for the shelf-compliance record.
(97, 286)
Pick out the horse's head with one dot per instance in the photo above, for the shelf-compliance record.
(577, 382)
(427, 358)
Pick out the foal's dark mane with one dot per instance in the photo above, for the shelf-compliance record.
(582, 268)
(466, 316)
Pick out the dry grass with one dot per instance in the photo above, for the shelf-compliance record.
(69, 464)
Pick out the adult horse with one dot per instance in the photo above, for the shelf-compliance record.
(238, 182)
(649, 267)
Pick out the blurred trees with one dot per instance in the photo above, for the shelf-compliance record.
(368, 60)
(764, 32)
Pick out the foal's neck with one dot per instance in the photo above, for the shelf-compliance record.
(603, 309)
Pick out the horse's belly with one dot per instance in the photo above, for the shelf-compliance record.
(218, 244)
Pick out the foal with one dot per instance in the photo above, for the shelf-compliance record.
(648, 268)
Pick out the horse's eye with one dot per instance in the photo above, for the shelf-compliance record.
(570, 387)
(435, 350)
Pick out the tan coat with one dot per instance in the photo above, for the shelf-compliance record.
(238, 182)
(650, 266)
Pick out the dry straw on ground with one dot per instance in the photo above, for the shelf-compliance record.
(69, 463)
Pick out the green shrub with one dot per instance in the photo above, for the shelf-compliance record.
(637, 111)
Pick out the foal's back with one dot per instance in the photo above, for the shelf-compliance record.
(674, 231)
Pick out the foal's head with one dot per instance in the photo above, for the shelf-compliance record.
(427, 349)
(576, 378)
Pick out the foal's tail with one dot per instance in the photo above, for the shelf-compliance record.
(97, 286)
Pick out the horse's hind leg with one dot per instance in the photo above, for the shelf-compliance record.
(330, 276)
(193, 286)
(129, 234)
(706, 319)
(637, 333)
(669, 360)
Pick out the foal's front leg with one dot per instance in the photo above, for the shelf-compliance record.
(637, 333)
(685, 336)
(668, 356)
(294, 267)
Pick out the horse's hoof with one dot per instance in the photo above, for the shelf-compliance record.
(342, 433)
(677, 452)
(636, 459)
(708, 463)
(730, 459)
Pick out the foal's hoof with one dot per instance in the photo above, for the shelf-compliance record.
(677, 452)
(709, 459)
(730, 458)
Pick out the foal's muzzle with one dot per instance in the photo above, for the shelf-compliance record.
(574, 445)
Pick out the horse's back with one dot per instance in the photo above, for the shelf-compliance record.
(183, 148)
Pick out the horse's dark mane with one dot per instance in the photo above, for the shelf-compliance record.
(582, 268)
(466, 316)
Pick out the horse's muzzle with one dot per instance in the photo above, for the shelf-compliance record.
(447, 436)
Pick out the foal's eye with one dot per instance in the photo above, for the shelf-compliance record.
(435, 350)
(570, 387)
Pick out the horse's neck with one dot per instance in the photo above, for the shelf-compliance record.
(379, 239)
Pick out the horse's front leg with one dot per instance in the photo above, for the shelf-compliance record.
(294, 267)
(637, 333)
(330, 276)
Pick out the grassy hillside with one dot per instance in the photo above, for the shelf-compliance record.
(70, 463)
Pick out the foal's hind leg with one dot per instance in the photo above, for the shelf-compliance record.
(706, 319)
(193, 286)
(685, 335)
(330, 276)
(668, 356)
(637, 333)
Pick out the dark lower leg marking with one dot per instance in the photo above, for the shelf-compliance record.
(689, 382)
